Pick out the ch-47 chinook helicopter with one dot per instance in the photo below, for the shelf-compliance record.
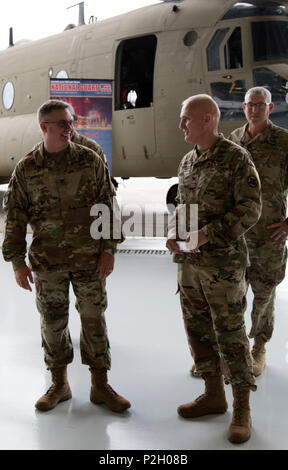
(162, 54)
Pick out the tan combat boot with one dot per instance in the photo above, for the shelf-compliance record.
(101, 392)
(58, 392)
(213, 401)
(240, 428)
(258, 356)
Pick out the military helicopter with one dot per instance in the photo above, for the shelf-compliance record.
(156, 57)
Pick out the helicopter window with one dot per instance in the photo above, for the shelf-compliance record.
(278, 86)
(229, 97)
(62, 74)
(270, 40)
(135, 72)
(255, 8)
(233, 50)
(8, 95)
(213, 50)
(190, 38)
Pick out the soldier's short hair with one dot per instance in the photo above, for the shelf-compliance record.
(50, 106)
(259, 91)
(204, 98)
(72, 111)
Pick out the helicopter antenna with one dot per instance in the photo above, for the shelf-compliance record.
(81, 19)
(11, 42)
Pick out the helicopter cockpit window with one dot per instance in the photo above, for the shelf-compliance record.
(270, 40)
(213, 49)
(229, 97)
(278, 87)
(135, 72)
(233, 50)
(8, 95)
(255, 8)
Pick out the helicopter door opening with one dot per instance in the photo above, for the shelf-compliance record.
(135, 73)
(133, 120)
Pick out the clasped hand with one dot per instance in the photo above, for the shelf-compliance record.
(281, 232)
(193, 241)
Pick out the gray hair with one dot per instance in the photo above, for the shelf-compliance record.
(50, 106)
(259, 91)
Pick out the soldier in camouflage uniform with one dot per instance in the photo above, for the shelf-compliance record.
(53, 189)
(220, 178)
(86, 142)
(268, 147)
(92, 144)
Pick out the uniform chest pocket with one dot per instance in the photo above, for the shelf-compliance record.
(213, 182)
(83, 188)
(42, 192)
(208, 179)
(190, 180)
(273, 176)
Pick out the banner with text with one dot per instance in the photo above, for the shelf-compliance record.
(92, 103)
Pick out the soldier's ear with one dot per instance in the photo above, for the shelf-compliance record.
(271, 107)
(208, 118)
(43, 127)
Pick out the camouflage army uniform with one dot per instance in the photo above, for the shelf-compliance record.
(224, 184)
(85, 142)
(91, 144)
(55, 195)
(269, 151)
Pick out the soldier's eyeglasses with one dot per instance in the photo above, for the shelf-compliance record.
(61, 123)
(256, 105)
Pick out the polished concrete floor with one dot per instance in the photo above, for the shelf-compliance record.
(150, 366)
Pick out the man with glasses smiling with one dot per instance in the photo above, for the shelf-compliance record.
(53, 189)
(268, 146)
(86, 142)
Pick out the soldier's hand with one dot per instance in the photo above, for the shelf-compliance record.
(105, 265)
(281, 232)
(23, 276)
(196, 239)
(172, 246)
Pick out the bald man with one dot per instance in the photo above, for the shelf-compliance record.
(220, 178)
